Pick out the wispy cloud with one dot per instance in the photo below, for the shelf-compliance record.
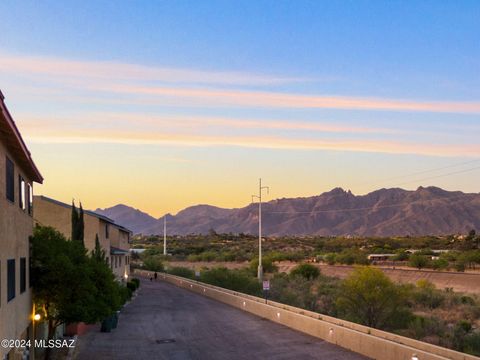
(283, 100)
(139, 84)
(70, 70)
(193, 122)
(140, 136)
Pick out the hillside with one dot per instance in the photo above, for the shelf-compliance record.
(385, 212)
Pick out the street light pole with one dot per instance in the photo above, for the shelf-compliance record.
(165, 235)
(259, 197)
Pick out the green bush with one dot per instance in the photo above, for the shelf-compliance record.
(331, 258)
(267, 263)
(237, 280)
(471, 344)
(153, 263)
(182, 271)
(306, 271)
(136, 281)
(439, 264)
(426, 295)
(418, 261)
(132, 286)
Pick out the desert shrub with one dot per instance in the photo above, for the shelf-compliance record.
(153, 263)
(401, 255)
(352, 256)
(460, 265)
(369, 297)
(418, 261)
(471, 344)
(182, 271)
(237, 280)
(439, 264)
(307, 271)
(331, 258)
(420, 327)
(267, 263)
(294, 291)
(427, 295)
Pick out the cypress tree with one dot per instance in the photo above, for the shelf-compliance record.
(97, 253)
(81, 226)
(78, 224)
(74, 222)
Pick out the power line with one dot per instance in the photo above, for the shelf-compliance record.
(427, 171)
(391, 205)
(442, 175)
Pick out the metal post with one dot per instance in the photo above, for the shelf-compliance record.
(260, 267)
(259, 197)
(165, 235)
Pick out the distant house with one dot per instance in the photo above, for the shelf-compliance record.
(114, 239)
(380, 257)
(17, 175)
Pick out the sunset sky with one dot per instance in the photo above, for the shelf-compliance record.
(165, 104)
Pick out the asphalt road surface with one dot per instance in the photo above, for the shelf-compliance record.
(167, 322)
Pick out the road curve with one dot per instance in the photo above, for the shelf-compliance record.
(166, 322)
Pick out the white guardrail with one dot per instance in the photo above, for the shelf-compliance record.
(370, 342)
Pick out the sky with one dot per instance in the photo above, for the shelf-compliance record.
(165, 104)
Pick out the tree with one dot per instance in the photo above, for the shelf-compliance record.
(369, 297)
(74, 221)
(418, 261)
(81, 226)
(78, 224)
(98, 253)
(67, 284)
(306, 271)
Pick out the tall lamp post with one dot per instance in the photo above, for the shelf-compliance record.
(165, 234)
(259, 197)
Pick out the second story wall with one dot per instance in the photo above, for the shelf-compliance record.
(49, 212)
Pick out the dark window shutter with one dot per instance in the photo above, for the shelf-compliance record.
(23, 275)
(10, 279)
(10, 180)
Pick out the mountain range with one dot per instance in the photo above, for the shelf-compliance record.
(384, 212)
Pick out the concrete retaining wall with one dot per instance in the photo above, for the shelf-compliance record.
(370, 342)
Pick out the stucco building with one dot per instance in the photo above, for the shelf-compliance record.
(17, 175)
(114, 239)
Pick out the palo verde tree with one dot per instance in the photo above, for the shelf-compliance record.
(68, 285)
(369, 297)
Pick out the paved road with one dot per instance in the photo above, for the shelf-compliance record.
(166, 322)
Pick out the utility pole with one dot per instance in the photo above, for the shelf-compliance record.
(165, 235)
(259, 197)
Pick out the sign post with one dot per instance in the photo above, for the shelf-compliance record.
(266, 289)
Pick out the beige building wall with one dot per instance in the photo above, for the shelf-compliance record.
(16, 226)
(49, 212)
(120, 239)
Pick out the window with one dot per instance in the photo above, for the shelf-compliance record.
(10, 180)
(21, 193)
(115, 261)
(120, 261)
(106, 230)
(30, 199)
(23, 275)
(10, 279)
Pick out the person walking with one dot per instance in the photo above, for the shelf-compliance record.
(155, 276)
